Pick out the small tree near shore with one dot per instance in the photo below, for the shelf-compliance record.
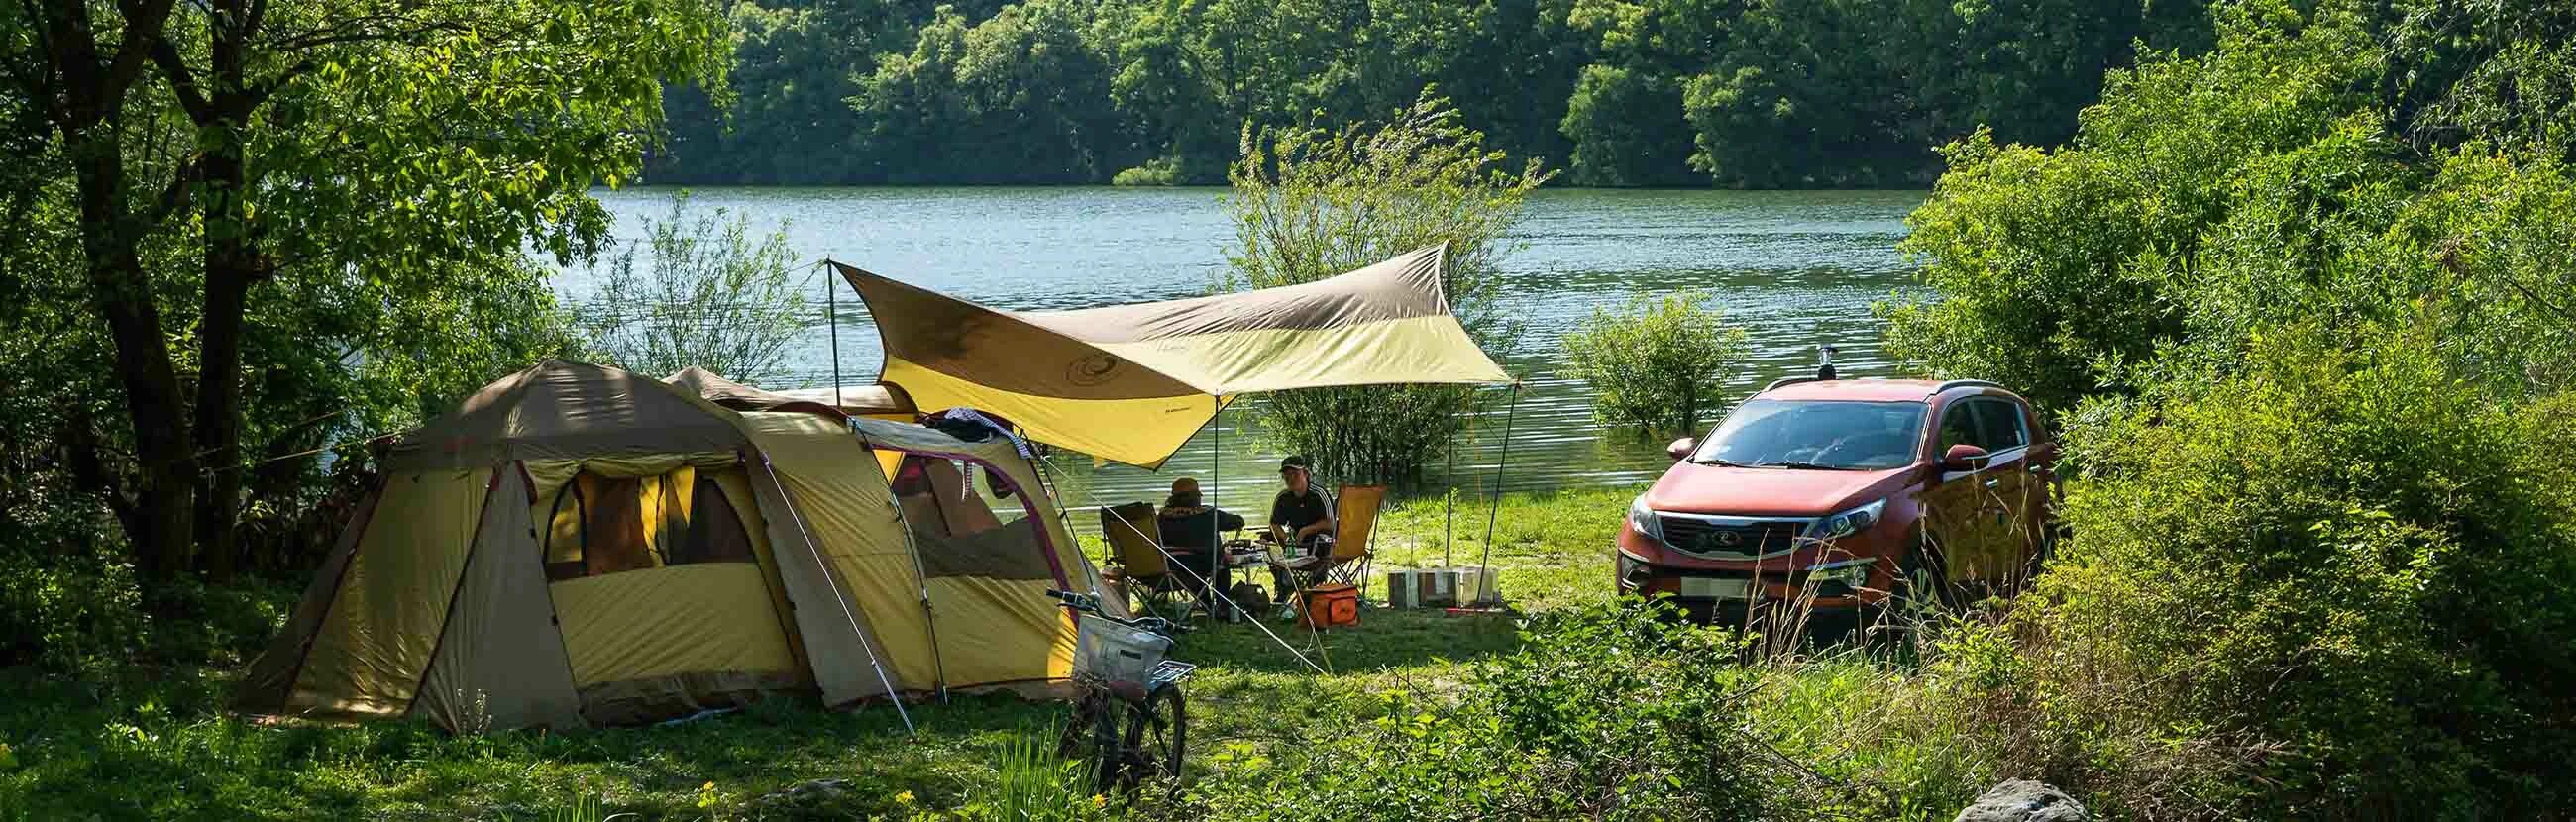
(1655, 364)
(1310, 203)
(711, 298)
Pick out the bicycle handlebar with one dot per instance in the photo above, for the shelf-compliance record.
(1090, 604)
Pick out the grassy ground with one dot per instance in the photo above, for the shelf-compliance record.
(155, 745)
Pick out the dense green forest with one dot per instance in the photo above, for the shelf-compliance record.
(1738, 93)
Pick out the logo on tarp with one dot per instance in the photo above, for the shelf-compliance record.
(1092, 370)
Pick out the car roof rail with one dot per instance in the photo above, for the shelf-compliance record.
(1775, 384)
(1950, 384)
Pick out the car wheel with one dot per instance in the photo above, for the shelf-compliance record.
(1921, 594)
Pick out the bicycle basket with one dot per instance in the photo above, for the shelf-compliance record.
(1112, 652)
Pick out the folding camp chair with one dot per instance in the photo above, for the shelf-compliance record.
(1137, 539)
(1354, 523)
(1354, 520)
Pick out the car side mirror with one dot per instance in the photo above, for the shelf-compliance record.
(1963, 457)
(1681, 448)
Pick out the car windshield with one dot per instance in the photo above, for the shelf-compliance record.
(1838, 435)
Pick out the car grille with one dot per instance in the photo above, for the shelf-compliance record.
(1700, 536)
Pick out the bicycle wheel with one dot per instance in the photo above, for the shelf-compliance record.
(1091, 737)
(1157, 733)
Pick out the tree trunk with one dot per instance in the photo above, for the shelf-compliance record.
(233, 264)
(163, 497)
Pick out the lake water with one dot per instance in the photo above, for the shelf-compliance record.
(1795, 269)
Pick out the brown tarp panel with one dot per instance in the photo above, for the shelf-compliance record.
(264, 688)
(557, 409)
(501, 662)
(1131, 383)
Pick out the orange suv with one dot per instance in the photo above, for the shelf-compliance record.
(1847, 494)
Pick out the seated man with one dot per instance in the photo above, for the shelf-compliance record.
(1300, 517)
(1189, 530)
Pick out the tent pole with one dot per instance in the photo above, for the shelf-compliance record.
(832, 316)
(1496, 597)
(921, 578)
(892, 695)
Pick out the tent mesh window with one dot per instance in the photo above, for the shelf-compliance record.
(968, 521)
(604, 525)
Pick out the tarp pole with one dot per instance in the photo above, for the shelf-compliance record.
(892, 695)
(1216, 471)
(1449, 501)
(1495, 597)
(832, 316)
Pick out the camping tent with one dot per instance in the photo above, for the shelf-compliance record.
(579, 546)
(1131, 383)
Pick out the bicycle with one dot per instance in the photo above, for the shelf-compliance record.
(1122, 671)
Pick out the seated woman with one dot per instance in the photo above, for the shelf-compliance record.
(1189, 530)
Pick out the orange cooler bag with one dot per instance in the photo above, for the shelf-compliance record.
(1330, 606)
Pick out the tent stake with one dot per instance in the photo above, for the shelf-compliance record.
(1484, 565)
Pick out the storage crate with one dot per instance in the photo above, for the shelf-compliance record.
(1438, 587)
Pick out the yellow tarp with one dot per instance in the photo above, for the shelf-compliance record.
(1131, 382)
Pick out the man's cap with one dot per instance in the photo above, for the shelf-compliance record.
(1296, 463)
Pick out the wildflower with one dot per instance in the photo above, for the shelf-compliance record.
(903, 798)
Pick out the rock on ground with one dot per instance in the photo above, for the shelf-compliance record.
(2022, 800)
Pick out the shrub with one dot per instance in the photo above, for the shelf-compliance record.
(1604, 712)
(1160, 171)
(2347, 554)
(712, 298)
(1310, 203)
(1656, 364)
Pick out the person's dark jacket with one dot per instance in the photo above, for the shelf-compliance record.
(1195, 528)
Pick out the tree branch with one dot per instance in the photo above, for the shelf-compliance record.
(183, 82)
(144, 23)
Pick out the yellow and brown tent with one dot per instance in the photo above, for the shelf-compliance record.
(1131, 383)
(580, 546)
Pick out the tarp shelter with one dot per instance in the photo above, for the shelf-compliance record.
(579, 546)
(1131, 383)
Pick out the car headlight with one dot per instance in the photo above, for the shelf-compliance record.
(1643, 519)
(1847, 523)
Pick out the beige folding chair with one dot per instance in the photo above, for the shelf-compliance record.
(1354, 519)
(1136, 537)
(1354, 524)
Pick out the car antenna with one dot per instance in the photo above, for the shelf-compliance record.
(1825, 363)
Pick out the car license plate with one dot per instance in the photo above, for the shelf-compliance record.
(1713, 588)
